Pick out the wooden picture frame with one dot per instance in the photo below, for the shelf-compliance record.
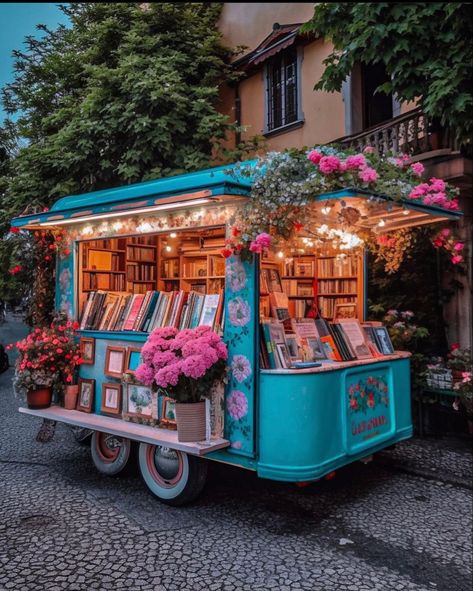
(168, 413)
(347, 310)
(383, 340)
(85, 398)
(111, 402)
(87, 350)
(115, 362)
(139, 401)
(130, 359)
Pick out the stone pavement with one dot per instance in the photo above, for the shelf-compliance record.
(400, 523)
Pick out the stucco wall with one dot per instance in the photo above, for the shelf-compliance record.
(244, 23)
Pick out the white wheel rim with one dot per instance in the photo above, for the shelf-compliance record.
(165, 480)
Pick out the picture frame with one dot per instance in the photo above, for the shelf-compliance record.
(139, 401)
(383, 340)
(317, 348)
(293, 347)
(347, 310)
(115, 361)
(356, 337)
(168, 413)
(111, 402)
(283, 354)
(87, 350)
(132, 359)
(85, 398)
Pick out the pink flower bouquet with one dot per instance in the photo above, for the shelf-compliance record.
(183, 364)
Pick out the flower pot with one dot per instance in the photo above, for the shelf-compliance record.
(70, 397)
(39, 397)
(190, 420)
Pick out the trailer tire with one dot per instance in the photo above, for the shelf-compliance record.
(172, 476)
(111, 455)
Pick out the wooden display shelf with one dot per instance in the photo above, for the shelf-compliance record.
(120, 428)
(103, 271)
(106, 249)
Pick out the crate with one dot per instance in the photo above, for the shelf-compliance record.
(440, 379)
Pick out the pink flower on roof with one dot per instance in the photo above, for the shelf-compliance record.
(417, 168)
(369, 150)
(329, 164)
(354, 162)
(457, 259)
(368, 175)
(314, 156)
(419, 191)
(437, 184)
(263, 240)
(237, 405)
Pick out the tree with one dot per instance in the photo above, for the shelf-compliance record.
(426, 48)
(128, 92)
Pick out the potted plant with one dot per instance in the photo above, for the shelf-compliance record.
(184, 365)
(47, 358)
(460, 361)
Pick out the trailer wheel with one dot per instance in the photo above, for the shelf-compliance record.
(174, 477)
(110, 453)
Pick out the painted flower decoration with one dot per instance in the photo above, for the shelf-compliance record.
(239, 312)
(241, 368)
(237, 405)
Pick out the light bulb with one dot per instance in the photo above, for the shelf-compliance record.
(405, 212)
(168, 248)
(87, 230)
(326, 210)
(381, 223)
(117, 226)
(173, 235)
(280, 254)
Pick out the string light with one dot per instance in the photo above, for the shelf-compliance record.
(405, 212)
(168, 248)
(173, 235)
(117, 226)
(326, 209)
(144, 227)
(87, 230)
(381, 223)
(280, 254)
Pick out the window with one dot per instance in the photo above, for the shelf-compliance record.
(282, 81)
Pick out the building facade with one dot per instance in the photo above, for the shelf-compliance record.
(275, 99)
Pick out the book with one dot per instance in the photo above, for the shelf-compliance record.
(343, 347)
(268, 344)
(355, 337)
(209, 310)
(137, 301)
(383, 340)
(330, 348)
(279, 303)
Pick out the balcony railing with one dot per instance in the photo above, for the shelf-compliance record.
(408, 133)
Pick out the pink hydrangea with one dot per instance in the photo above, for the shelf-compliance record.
(263, 239)
(368, 175)
(355, 162)
(162, 358)
(437, 184)
(457, 259)
(145, 374)
(194, 367)
(314, 156)
(241, 368)
(417, 168)
(369, 150)
(168, 376)
(419, 191)
(329, 164)
(237, 405)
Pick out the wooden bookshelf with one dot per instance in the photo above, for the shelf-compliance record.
(339, 281)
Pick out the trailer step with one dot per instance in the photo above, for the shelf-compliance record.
(135, 431)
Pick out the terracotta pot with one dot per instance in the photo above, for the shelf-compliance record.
(190, 420)
(39, 397)
(70, 397)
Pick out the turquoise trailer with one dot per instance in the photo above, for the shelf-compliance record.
(294, 425)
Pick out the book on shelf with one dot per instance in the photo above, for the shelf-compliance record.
(275, 343)
(330, 349)
(337, 266)
(355, 336)
(271, 280)
(137, 301)
(209, 310)
(279, 304)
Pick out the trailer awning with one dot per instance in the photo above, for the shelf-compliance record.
(166, 194)
(219, 185)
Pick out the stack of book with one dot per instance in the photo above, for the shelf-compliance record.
(145, 312)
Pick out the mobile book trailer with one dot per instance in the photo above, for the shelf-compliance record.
(311, 386)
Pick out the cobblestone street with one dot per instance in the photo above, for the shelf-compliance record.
(402, 522)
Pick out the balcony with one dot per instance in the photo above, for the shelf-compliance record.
(409, 133)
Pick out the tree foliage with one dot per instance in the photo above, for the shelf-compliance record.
(127, 92)
(426, 48)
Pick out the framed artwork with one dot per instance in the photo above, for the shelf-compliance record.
(293, 347)
(85, 399)
(132, 360)
(345, 311)
(316, 347)
(383, 340)
(139, 401)
(283, 354)
(111, 399)
(115, 361)
(356, 337)
(168, 413)
(87, 350)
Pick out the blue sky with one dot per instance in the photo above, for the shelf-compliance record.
(19, 19)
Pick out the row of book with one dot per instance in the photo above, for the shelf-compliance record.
(137, 272)
(108, 281)
(136, 253)
(337, 286)
(299, 267)
(297, 288)
(300, 340)
(328, 305)
(145, 312)
(337, 266)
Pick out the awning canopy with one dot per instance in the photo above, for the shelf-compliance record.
(220, 185)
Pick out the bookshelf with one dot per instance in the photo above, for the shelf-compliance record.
(168, 262)
(339, 281)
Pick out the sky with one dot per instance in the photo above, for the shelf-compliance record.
(17, 20)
